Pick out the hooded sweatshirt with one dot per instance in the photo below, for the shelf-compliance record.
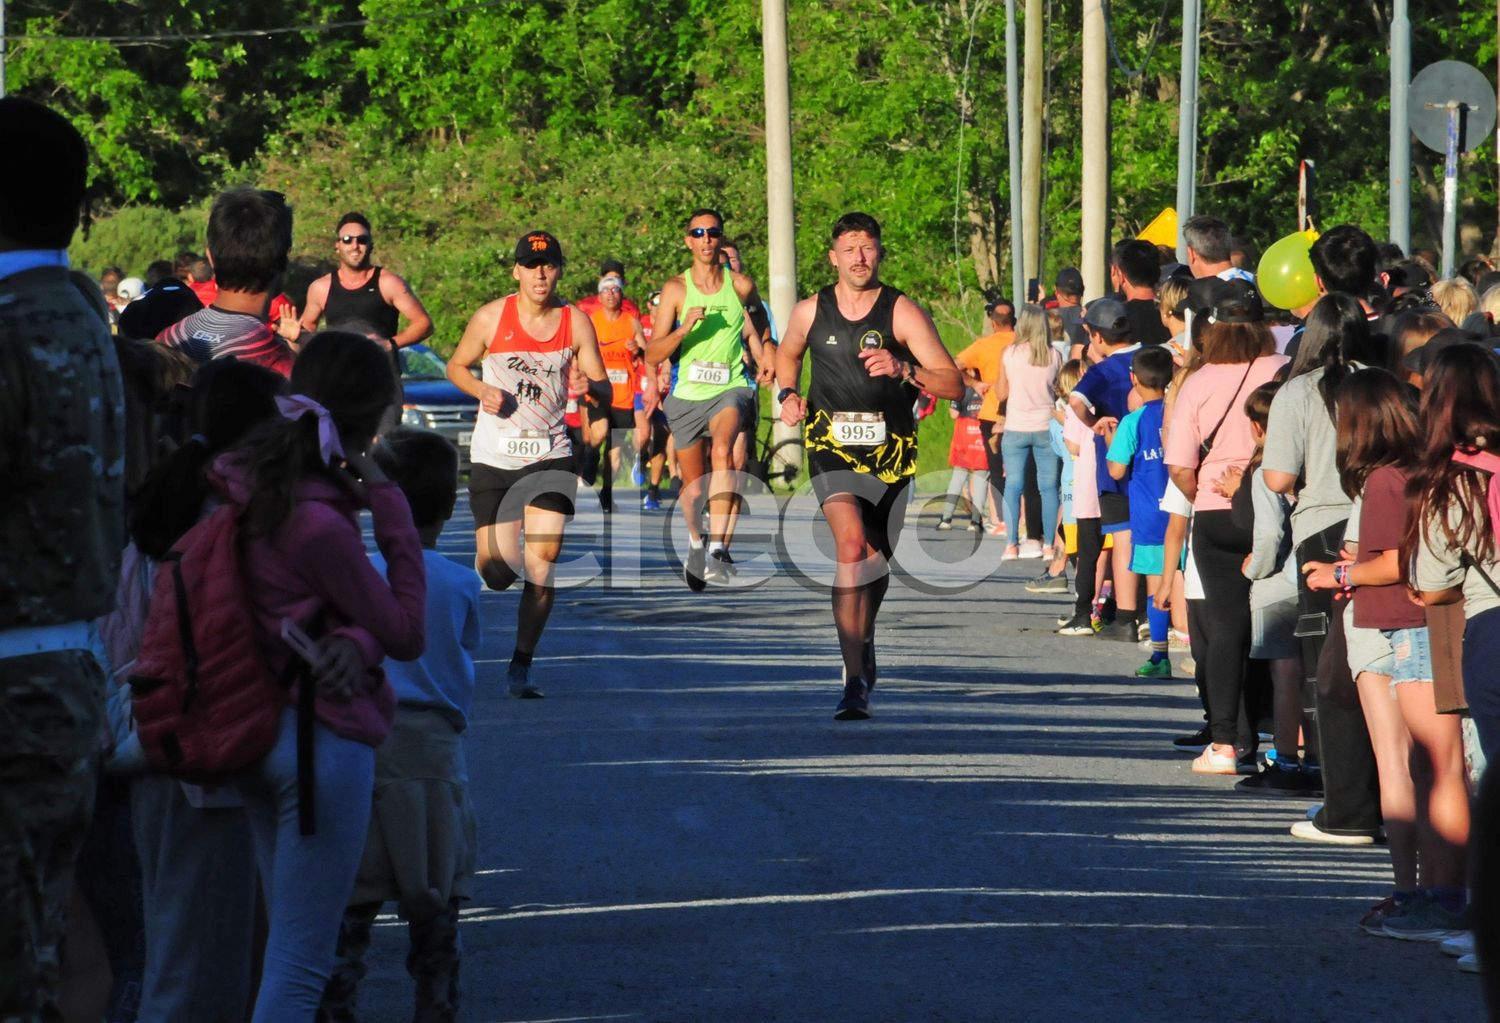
(317, 562)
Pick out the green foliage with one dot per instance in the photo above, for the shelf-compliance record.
(137, 236)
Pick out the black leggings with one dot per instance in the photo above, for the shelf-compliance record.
(1090, 544)
(1219, 549)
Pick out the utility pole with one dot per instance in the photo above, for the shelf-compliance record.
(1187, 122)
(1400, 159)
(1031, 144)
(1013, 143)
(1096, 149)
(781, 232)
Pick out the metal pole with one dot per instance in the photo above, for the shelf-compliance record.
(1013, 140)
(1187, 122)
(1031, 141)
(1450, 191)
(1095, 132)
(1400, 158)
(781, 232)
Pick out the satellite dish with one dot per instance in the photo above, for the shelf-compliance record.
(1444, 82)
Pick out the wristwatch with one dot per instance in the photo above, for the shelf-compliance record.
(784, 394)
(908, 374)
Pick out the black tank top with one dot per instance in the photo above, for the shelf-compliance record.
(840, 383)
(362, 305)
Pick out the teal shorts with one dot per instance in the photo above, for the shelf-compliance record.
(1146, 559)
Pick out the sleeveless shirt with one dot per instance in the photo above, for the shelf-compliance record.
(619, 360)
(535, 372)
(360, 305)
(840, 386)
(708, 360)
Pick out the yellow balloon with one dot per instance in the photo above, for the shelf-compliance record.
(1285, 274)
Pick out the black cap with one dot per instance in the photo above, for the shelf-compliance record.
(537, 247)
(1108, 317)
(1419, 359)
(1070, 280)
(1236, 301)
(157, 310)
(1170, 270)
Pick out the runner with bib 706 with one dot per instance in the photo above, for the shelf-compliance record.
(872, 348)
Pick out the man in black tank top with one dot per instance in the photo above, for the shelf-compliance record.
(362, 295)
(872, 349)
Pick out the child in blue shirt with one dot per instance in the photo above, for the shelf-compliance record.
(419, 851)
(1135, 455)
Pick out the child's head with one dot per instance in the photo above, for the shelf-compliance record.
(349, 375)
(1171, 294)
(1258, 409)
(1056, 330)
(1068, 377)
(1151, 371)
(424, 464)
(1377, 425)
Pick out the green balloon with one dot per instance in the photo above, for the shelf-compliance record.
(1285, 274)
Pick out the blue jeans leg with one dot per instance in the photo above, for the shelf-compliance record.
(307, 878)
(1015, 448)
(1048, 473)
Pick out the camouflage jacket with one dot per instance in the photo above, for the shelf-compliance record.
(62, 519)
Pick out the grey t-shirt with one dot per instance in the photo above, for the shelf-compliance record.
(1441, 567)
(1301, 439)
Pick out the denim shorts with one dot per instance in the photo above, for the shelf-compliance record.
(1369, 649)
(1413, 655)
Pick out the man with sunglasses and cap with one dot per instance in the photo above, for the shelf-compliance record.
(360, 292)
(523, 479)
(702, 327)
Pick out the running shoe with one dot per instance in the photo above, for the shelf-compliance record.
(1468, 963)
(1143, 631)
(1155, 669)
(1212, 762)
(1373, 922)
(1121, 629)
(1178, 641)
(716, 570)
(694, 569)
(975, 526)
(1030, 549)
(1193, 741)
(1460, 946)
(855, 706)
(1425, 919)
(1078, 625)
(649, 503)
(1310, 831)
(944, 525)
(1275, 780)
(518, 681)
(1048, 583)
(637, 473)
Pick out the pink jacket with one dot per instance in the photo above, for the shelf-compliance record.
(316, 562)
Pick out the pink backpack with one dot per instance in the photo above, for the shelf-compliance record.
(1485, 462)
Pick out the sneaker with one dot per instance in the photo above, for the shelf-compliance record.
(1078, 625)
(1046, 583)
(1064, 619)
(716, 569)
(1212, 762)
(1143, 632)
(1011, 553)
(693, 571)
(1193, 741)
(1119, 629)
(1310, 831)
(1155, 669)
(637, 473)
(1188, 666)
(1425, 919)
(1462, 945)
(996, 529)
(518, 681)
(1373, 922)
(1468, 963)
(943, 525)
(1030, 549)
(1049, 553)
(649, 503)
(855, 706)
(1274, 780)
(1178, 641)
(1314, 810)
(975, 526)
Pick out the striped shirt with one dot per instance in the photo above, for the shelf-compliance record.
(216, 334)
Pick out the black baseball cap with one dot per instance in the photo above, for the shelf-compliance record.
(1236, 301)
(1070, 280)
(537, 247)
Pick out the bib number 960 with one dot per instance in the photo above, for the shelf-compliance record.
(527, 444)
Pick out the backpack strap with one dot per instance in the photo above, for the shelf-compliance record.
(307, 718)
(1484, 461)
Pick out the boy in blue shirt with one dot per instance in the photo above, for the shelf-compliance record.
(420, 849)
(1135, 455)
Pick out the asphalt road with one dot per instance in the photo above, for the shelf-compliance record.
(680, 831)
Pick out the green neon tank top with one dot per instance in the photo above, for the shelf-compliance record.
(709, 358)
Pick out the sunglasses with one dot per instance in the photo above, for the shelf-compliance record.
(355, 239)
(712, 232)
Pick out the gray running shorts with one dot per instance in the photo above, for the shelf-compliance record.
(689, 419)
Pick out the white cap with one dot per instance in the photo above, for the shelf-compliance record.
(130, 289)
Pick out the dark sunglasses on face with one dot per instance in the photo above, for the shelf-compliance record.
(712, 232)
(355, 239)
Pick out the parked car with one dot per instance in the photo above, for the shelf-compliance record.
(433, 403)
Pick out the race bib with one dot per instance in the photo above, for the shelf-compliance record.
(619, 376)
(525, 444)
(858, 429)
(714, 373)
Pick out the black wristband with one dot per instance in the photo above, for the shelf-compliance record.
(785, 393)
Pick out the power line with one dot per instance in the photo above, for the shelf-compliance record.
(1114, 52)
(249, 33)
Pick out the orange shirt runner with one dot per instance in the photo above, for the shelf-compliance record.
(620, 363)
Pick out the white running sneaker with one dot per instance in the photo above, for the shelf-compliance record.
(1461, 945)
(1031, 549)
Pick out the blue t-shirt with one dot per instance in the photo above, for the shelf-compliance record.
(443, 677)
(1137, 444)
(1106, 387)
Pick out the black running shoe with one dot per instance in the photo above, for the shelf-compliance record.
(1281, 781)
(693, 570)
(855, 706)
(1194, 742)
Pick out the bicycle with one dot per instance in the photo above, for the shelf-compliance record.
(777, 461)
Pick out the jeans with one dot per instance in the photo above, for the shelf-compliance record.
(1482, 680)
(1015, 448)
(307, 879)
